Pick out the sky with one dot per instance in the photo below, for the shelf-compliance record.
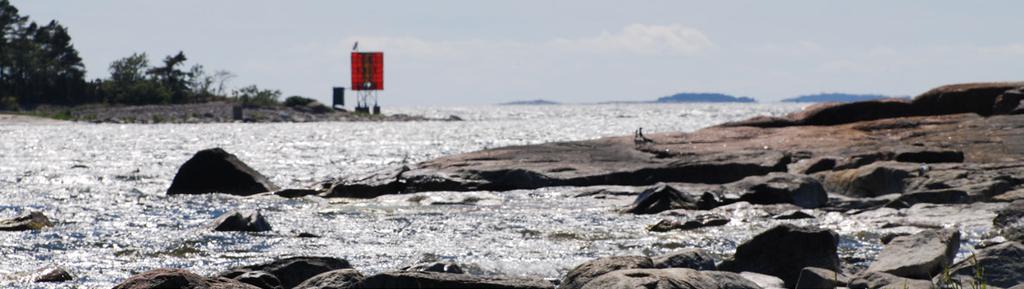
(444, 53)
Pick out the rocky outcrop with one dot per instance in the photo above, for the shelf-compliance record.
(419, 279)
(919, 256)
(870, 181)
(1001, 265)
(692, 258)
(294, 270)
(683, 278)
(246, 221)
(880, 280)
(336, 279)
(780, 188)
(784, 251)
(584, 273)
(217, 171)
(29, 221)
(178, 278)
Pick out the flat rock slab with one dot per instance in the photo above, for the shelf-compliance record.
(30, 221)
(920, 256)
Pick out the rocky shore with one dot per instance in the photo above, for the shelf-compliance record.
(939, 167)
(215, 112)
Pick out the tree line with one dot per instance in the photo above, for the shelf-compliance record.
(40, 66)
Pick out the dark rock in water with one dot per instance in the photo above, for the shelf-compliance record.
(663, 197)
(818, 278)
(692, 258)
(217, 171)
(377, 183)
(418, 279)
(868, 181)
(584, 273)
(880, 280)
(948, 196)
(292, 271)
(246, 221)
(683, 278)
(52, 274)
(777, 188)
(30, 221)
(918, 256)
(701, 221)
(307, 235)
(1010, 221)
(336, 279)
(1002, 265)
(260, 279)
(441, 267)
(296, 193)
(178, 278)
(793, 215)
(784, 250)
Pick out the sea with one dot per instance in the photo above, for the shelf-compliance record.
(104, 186)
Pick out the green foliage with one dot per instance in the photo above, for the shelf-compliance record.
(946, 280)
(296, 100)
(253, 96)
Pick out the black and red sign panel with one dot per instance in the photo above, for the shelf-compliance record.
(367, 70)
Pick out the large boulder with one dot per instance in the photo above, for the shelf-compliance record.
(919, 256)
(178, 278)
(419, 279)
(872, 180)
(337, 279)
(880, 280)
(294, 270)
(30, 221)
(784, 250)
(1001, 265)
(217, 171)
(1010, 221)
(692, 258)
(584, 273)
(778, 188)
(246, 221)
(670, 278)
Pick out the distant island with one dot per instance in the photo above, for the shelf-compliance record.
(836, 97)
(531, 102)
(702, 97)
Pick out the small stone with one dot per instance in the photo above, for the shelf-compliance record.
(53, 274)
(245, 221)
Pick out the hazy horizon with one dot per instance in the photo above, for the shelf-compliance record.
(468, 52)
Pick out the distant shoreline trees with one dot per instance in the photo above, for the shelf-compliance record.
(40, 66)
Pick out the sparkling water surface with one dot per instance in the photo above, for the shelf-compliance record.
(104, 185)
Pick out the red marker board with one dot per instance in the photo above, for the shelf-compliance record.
(367, 70)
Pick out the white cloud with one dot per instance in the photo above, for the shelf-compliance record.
(642, 39)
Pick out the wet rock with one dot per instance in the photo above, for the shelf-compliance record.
(260, 279)
(764, 281)
(217, 171)
(1009, 221)
(869, 181)
(692, 258)
(52, 274)
(296, 193)
(373, 184)
(584, 273)
(947, 196)
(918, 256)
(683, 278)
(793, 215)
(778, 188)
(419, 279)
(784, 250)
(880, 280)
(336, 279)
(663, 197)
(178, 278)
(701, 221)
(819, 278)
(1002, 264)
(30, 221)
(293, 270)
(441, 267)
(244, 221)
